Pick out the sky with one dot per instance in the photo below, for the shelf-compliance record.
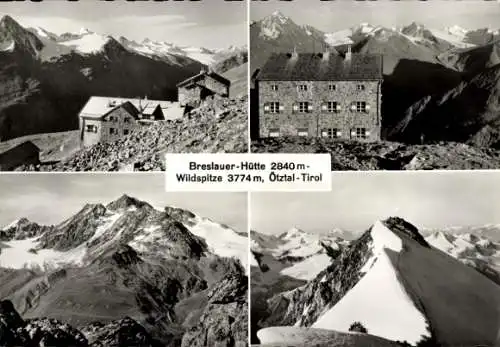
(51, 198)
(336, 15)
(357, 200)
(204, 23)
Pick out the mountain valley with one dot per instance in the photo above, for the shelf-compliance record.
(123, 273)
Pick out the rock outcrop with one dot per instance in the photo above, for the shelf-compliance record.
(224, 322)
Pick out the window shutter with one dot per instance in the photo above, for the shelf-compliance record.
(324, 107)
(367, 133)
(367, 107)
(353, 107)
(324, 133)
(295, 107)
(339, 133)
(282, 108)
(266, 107)
(309, 107)
(338, 108)
(353, 132)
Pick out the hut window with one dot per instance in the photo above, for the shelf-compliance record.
(91, 128)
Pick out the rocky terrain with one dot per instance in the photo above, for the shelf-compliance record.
(120, 274)
(440, 85)
(387, 155)
(219, 125)
(45, 79)
(390, 260)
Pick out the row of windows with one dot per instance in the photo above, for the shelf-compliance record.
(305, 87)
(333, 133)
(115, 119)
(305, 107)
(91, 128)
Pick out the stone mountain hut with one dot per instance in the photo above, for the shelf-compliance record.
(320, 95)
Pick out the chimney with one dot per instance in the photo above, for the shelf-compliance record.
(348, 55)
(295, 55)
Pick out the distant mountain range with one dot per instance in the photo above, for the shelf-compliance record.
(390, 287)
(45, 79)
(439, 85)
(171, 275)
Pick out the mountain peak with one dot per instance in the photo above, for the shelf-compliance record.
(85, 31)
(401, 226)
(16, 223)
(291, 233)
(277, 16)
(126, 201)
(7, 20)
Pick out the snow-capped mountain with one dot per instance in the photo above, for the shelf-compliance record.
(294, 253)
(166, 268)
(398, 287)
(471, 247)
(96, 228)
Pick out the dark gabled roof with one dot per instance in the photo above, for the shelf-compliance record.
(25, 147)
(318, 67)
(202, 74)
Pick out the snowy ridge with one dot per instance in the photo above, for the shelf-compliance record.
(295, 253)
(224, 242)
(13, 224)
(19, 254)
(378, 297)
(88, 43)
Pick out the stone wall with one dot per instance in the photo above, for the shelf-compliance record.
(216, 86)
(345, 120)
(187, 96)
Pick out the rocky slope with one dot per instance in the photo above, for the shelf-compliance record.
(467, 113)
(219, 125)
(392, 259)
(127, 273)
(45, 79)
(387, 155)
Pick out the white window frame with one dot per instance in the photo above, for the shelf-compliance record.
(360, 106)
(332, 106)
(112, 131)
(303, 132)
(332, 87)
(303, 107)
(360, 87)
(274, 107)
(360, 133)
(331, 133)
(274, 132)
(91, 128)
(274, 87)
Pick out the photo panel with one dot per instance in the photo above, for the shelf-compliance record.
(385, 259)
(107, 260)
(380, 85)
(114, 85)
